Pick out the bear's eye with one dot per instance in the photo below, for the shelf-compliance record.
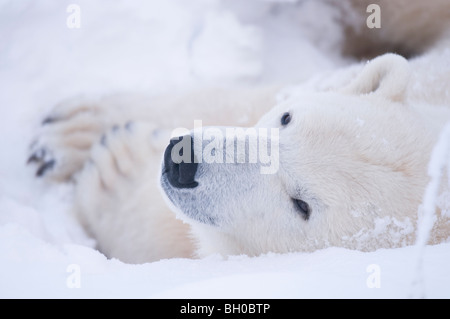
(286, 118)
(303, 208)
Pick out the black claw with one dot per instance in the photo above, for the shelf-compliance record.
(115, 128)
(129, 126)
(103, 140)
(33, 158)
(45, 167)
(48, 120)
(37, 156)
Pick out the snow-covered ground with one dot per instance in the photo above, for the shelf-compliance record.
(160, 46)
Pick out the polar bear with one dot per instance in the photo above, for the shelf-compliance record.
(352, 170)
(351, 148)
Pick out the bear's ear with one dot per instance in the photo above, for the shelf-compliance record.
(387, 76)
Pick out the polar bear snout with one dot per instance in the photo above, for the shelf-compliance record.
(179, 162)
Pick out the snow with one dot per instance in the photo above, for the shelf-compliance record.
(159, 46)
(440, 159)
(39, 269)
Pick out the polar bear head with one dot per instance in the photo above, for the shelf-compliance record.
(347, 168)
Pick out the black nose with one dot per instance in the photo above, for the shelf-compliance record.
(179, 162)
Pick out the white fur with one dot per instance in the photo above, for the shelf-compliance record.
(356, 151)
